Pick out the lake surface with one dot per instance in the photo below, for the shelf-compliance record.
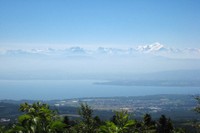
(64, 89)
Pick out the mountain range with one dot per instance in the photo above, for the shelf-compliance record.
(155, 49)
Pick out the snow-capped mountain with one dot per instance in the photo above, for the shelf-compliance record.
(151, 48)
(155, 49)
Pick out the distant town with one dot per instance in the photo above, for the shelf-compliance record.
(177, 107)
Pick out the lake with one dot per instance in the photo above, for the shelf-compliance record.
(64, 89)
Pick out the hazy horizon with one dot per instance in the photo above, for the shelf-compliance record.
(99, 40)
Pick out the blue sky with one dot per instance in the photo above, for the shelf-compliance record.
(94, 39)
(175, 23)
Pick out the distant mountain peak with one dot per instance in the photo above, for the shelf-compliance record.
(150, 48)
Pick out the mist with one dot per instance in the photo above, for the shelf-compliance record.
(80, 63)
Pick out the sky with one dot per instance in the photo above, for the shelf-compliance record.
(51, 23)
(61, 39)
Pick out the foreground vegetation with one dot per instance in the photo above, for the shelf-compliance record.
(39, 118)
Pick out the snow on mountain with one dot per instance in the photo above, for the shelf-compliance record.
(77, 50)
(109, 51)
(158, 49)
(155, 49)
(20, 53)
(151, 48)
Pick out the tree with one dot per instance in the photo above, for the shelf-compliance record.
(147, 120)
(2, 129)
(197, 108)
(38, 118)
(120, 124)
(87, 124)
(148, 126)
(165, 125)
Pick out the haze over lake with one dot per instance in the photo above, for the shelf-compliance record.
(65, 89)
